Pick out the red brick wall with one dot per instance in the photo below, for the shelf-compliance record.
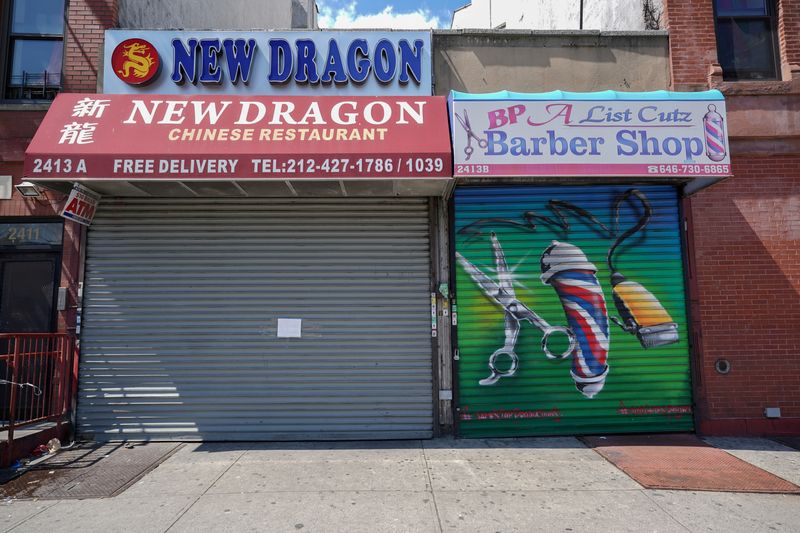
(83, 48)
(746, 270)
(83, 42)
(789, 30)
(744, 242)
(16, 130)
(692, 43)
(692, 40)
(49, 206)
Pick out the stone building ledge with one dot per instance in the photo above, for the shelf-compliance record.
(789, 85)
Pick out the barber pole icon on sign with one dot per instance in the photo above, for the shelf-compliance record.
(714, 127)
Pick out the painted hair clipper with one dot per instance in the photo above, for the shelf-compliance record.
(566, 269)
(640, 311)
(642, 314)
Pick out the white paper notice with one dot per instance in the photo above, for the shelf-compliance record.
(290, 327)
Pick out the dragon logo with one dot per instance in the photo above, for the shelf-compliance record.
(135, 61)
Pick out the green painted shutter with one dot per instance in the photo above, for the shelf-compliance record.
(626, 386)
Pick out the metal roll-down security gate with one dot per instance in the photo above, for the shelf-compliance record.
(182, 305)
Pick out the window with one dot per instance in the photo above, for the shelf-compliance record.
(33, 42)
(746, 39)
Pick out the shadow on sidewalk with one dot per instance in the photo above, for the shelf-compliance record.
(531, 443)
(88, 470)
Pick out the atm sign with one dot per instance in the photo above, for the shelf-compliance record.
(81, 205)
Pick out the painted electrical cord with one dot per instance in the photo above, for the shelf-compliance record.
(36, 390)
(644, 219)
(640, 312)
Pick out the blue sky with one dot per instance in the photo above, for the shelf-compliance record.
(397, 14)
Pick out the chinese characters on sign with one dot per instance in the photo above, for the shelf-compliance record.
(78, 133)
(83, 132)
(89, 107)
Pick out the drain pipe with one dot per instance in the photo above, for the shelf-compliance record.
(580, 27)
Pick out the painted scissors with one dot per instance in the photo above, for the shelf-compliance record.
(504, 295)
(482, 143)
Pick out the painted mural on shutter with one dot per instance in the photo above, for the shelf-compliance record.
(571, 311)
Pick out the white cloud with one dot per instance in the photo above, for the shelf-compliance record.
(349, 17)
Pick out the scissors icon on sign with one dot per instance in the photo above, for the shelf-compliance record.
(503, 294)
(482, 143)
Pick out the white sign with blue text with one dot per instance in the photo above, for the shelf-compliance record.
(267, 62)
(657, 134)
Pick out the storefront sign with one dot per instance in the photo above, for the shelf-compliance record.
(81, 205)
(656, 134)
(288, 62)
(229, 137)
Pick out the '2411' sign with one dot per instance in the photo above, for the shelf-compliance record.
(182, 62)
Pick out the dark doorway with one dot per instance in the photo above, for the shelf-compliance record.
(30, 268)
(27, 287)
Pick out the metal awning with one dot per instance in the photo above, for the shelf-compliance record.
(226, 145)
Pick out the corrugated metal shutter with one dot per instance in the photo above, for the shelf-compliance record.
(181, 304)
(644, 389)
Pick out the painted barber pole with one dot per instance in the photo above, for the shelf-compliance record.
(713, 124)
(566, 268)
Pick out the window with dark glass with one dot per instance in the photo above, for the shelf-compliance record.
(33, 47)
(746, 39)
(30, 259)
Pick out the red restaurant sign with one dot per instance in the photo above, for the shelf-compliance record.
(124, 137)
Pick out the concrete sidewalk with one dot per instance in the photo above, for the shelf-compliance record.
(526, 485)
